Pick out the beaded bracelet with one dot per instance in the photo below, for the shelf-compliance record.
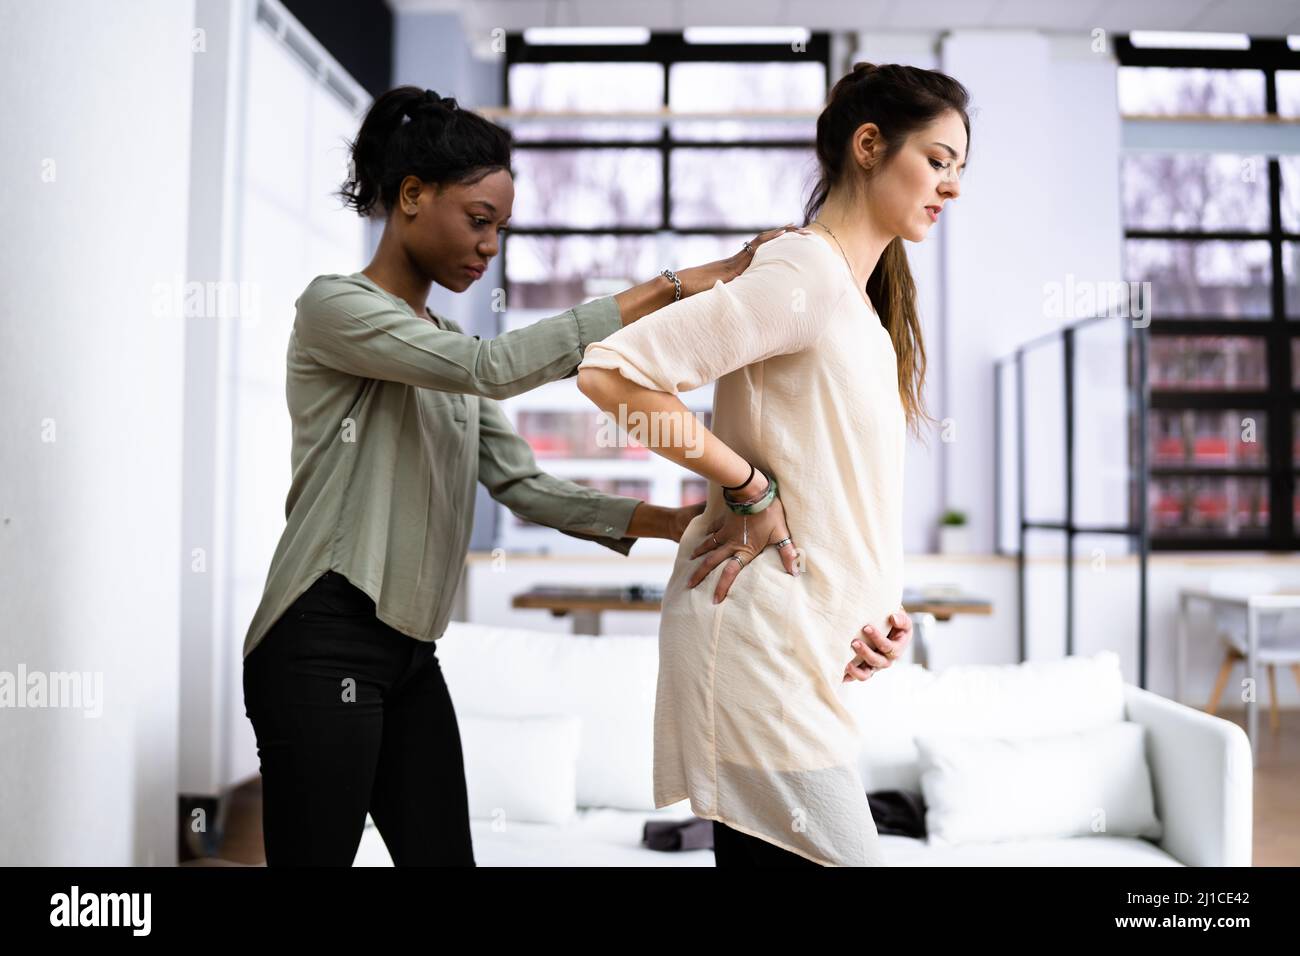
(755, 505)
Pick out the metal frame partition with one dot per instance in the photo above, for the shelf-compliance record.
(1136, 376)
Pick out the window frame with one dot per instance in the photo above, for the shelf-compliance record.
(666, 49)
(1280, 398)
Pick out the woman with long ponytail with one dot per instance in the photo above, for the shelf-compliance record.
(817, 357)
(395, 420)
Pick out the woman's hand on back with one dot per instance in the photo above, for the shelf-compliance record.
(698, 278)
(744, 536)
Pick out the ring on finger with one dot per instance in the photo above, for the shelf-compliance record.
(782, 543)
(737, 558)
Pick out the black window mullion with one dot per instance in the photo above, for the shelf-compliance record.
(1280, 425)
(665, 49)
(666, 157)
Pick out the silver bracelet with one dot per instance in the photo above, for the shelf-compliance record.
(677, 283)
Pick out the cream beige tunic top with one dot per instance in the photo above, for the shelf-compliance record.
(750, 717)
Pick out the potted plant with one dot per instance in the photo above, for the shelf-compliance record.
(954, 535)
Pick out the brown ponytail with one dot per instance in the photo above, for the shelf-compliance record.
(899, 100)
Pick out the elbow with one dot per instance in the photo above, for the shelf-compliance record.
(594, 383)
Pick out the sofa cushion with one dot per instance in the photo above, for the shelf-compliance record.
(993, 789)
(521, 769)
(1031, 699)
(594, 837)
(602, 837)
(608, 682)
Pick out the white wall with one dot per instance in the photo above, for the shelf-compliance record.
(95, 172)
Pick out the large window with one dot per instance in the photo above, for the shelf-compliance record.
(1214, 227)
(633, 157)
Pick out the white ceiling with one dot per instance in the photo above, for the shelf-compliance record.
(1257, 17)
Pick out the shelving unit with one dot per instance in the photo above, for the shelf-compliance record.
(1219, 252)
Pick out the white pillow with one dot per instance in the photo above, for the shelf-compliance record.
(991, 789)
(521, 769)
(608, 682)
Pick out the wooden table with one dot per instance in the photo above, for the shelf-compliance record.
(926, 609)
(586, 604)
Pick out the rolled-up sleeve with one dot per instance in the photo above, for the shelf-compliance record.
(344, 324)
(508, 469)
(777, 306)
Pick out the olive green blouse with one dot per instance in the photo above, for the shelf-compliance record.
(395, 420)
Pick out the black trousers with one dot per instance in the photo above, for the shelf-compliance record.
(352, 716)
(734, 848)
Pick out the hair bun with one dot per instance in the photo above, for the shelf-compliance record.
(863, 69)
(446, 102)
(428, 103)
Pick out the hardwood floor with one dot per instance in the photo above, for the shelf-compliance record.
(1277, 787)
(242, 845)
(1277, 802)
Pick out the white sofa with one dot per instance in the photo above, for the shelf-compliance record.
(559, 751)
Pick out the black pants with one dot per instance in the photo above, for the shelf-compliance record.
(734, 848)
(352, 716)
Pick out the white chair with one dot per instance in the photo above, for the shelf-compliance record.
(1278, 641)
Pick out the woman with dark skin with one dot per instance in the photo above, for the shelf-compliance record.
(395, 421)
